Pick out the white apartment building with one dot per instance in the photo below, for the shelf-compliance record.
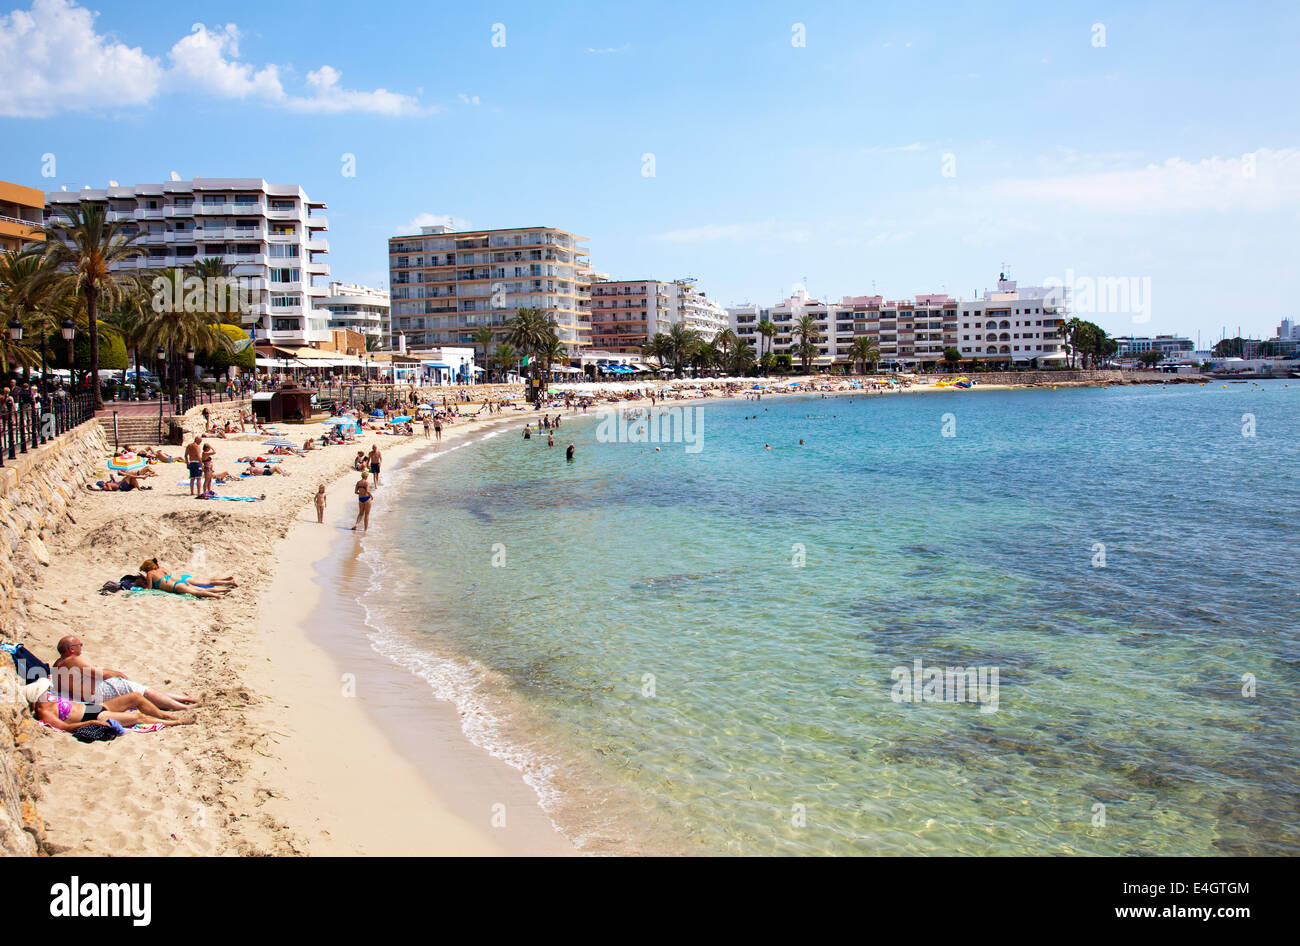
(696, 310)
(1015, 325)
(270, 235)
(626, 313)
(446, 284)
(1171, 345)
(908, 333)
(360, 309)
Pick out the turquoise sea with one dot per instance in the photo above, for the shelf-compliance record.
(697, 651)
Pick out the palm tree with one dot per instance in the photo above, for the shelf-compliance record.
(89, 251)
(766, 330)
(805, 330)
(726, 341)
(864, 351)
(174, 328)
(483, 336)
(530, 331)
(27, 282)
(706, 356)
(658, 348)
(505, 357)
(552, 350)
(683, 342)
(1070, 330)
(742, 360)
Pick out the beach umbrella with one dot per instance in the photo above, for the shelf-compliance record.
(376, 413)
(278, 442)
(127, 463)
(340, 422)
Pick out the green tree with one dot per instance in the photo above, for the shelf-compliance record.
(1151, 358)
(952, 356)
(483, 337)
(505, 357)
(683, 342)
(808, 337)
(233, 355)
(864, 351)
(111, 350)
(766, 331)
(659, 348)
(89, 251)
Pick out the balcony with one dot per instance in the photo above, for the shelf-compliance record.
(291, 213)
(317, 246)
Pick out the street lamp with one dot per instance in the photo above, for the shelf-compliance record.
(189, 372)
(69, 330)
(162, 359)
(15, 330)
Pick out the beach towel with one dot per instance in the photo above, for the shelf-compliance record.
(235, 499)
(28, 666)
(157, 593)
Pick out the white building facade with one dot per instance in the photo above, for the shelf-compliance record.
(360, 309)
(1013, 324)
(271, 236)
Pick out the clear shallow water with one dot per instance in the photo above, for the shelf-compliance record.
(771, 727)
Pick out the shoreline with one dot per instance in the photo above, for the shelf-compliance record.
(395, 751)
(258, 774)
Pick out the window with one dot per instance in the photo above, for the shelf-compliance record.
(285, 274)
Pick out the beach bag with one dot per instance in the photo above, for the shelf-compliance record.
(29, 667)
(94, 733)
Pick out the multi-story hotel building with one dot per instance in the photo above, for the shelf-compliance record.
(1013, 325)
(22, 213)
(908, 333)
(1009, 325)
(269, 235)
(359, 309)
(626, 313)
(446, 284)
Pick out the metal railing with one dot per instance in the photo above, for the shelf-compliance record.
(23, 428)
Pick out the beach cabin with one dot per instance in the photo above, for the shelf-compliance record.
(290, 404)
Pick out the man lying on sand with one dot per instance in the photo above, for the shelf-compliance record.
(78, 679)
(156, 578)
(127, 483)
(66, 715)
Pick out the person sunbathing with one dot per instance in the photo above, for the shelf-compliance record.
(128, 482)
(77, 678)
(68, 715)
(153, 453)
(309, 444)
(264, 470)
(155, 578)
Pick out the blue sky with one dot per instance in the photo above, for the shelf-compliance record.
(906, 148)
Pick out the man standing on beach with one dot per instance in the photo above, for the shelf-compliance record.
(376, 458)
(195, 460)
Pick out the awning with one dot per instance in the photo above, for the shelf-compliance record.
(436, 364)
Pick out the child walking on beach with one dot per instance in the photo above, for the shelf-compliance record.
(320, 503)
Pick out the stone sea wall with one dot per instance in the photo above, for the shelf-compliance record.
(36, 494)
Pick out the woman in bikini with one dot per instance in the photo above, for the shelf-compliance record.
(129, 710)
(159, 580)
(365, 499)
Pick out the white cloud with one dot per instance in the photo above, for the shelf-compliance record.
(892, 149)
(434, 220)
(328, 97)
(52, 59)
(610, 49)
(1261, 180)
(468, 99)
(201, 58)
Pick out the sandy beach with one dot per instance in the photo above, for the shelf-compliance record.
(304, 741)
